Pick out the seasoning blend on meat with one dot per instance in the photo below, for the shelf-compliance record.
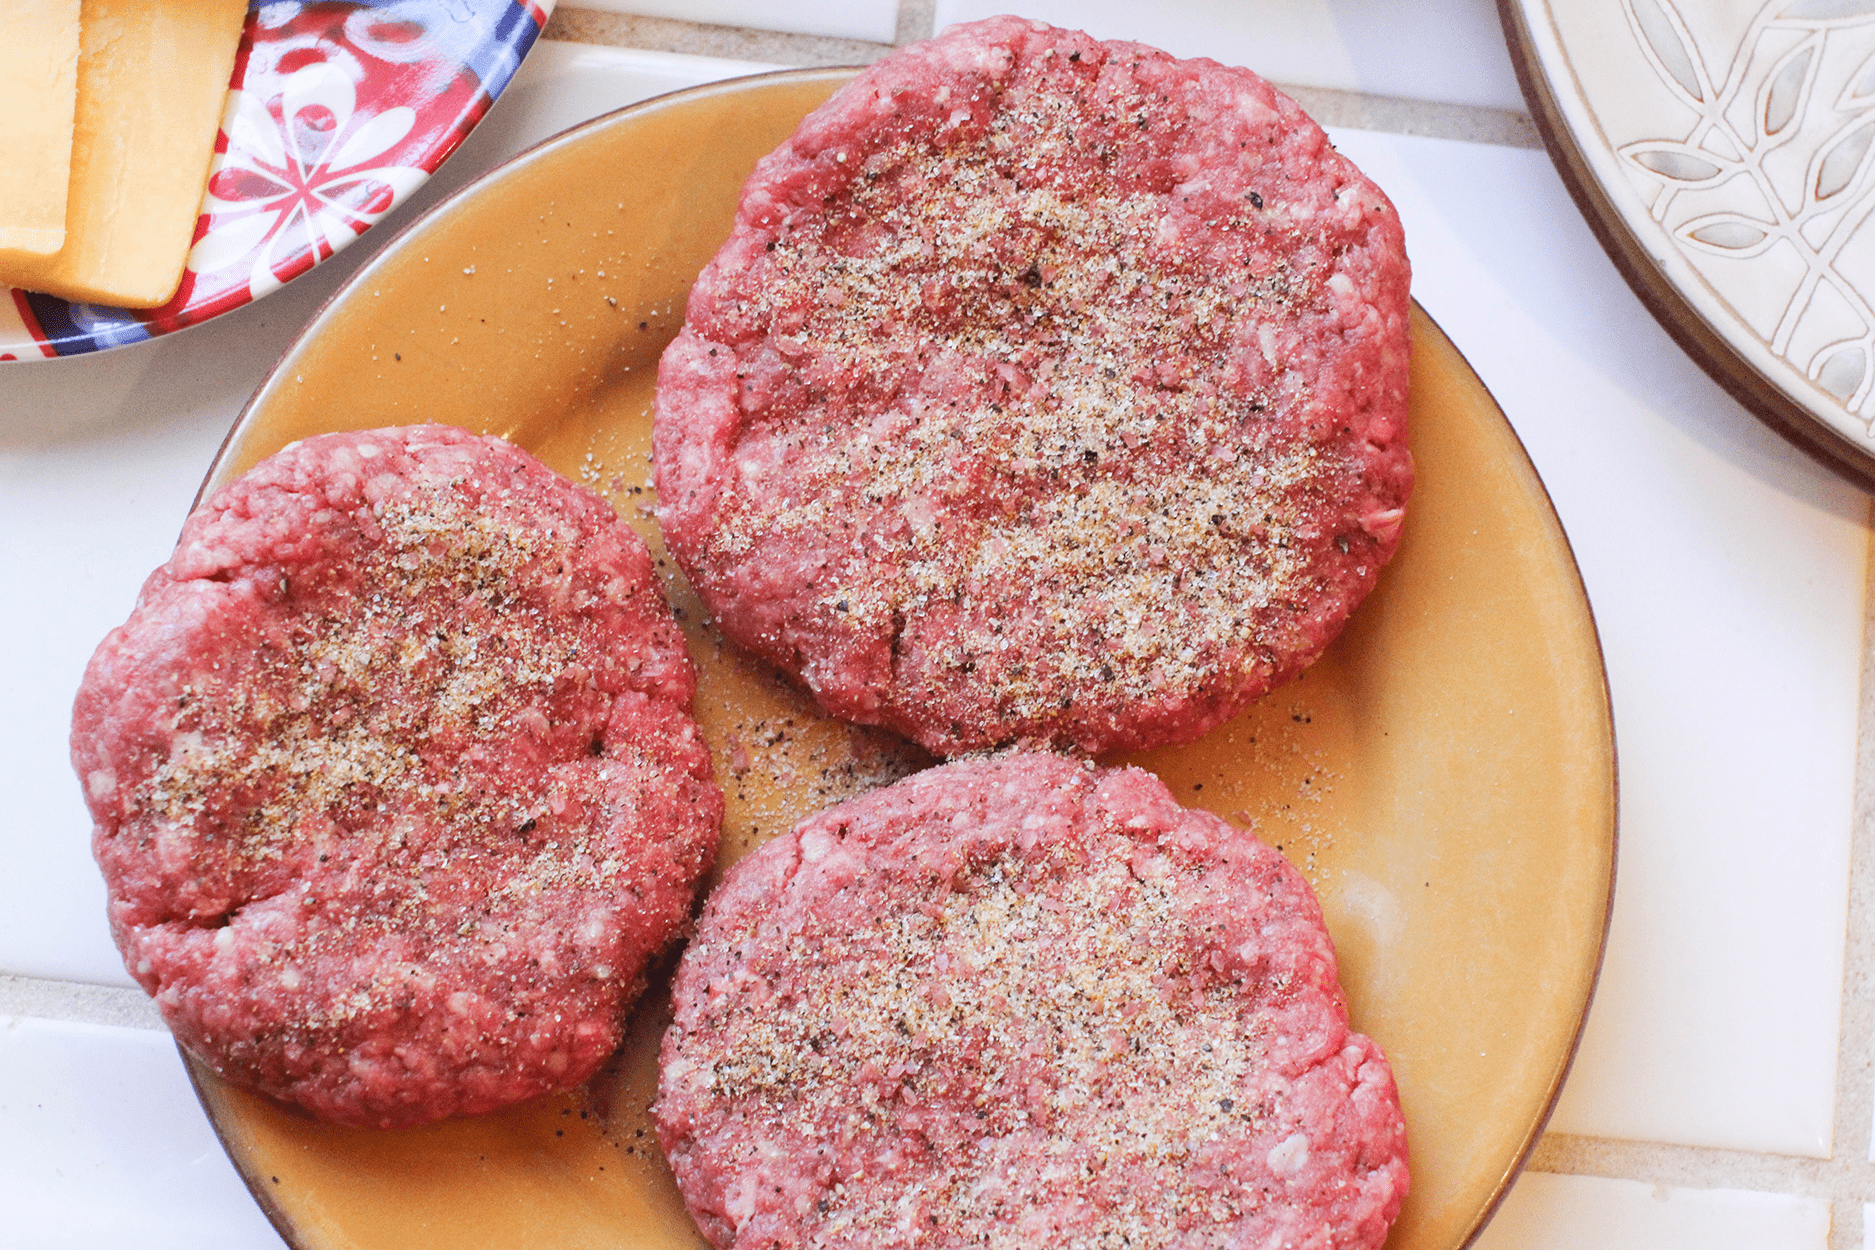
(1017, 1002)
(395, 783)
(1046, 391)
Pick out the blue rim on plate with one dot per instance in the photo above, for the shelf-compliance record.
(337, 110)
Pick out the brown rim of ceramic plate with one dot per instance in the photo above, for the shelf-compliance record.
(1541, 1122)
(263, 1197)
(1763, 397)
(410, 235)
(1521, 1158)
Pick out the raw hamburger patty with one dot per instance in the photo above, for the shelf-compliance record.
(1023, 1002)
(1047, 390)
(394, 778)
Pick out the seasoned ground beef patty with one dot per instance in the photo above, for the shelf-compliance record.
(1023, 1002)
(1046, 390)
(394, 778)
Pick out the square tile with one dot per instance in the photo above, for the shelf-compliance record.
(1587, 1213)
(102, 1143)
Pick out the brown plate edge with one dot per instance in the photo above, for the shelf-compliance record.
(205, 1094)
(1708, 349)
(1567, 1058)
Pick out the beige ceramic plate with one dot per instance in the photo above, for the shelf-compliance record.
(1445, 774)
(1720, 153)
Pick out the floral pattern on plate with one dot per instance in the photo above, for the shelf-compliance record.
(337, 111)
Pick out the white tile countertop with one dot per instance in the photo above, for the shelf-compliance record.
(1722, 1095)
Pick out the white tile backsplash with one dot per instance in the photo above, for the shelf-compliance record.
(1445, 50)
(102, 1143)
(874, 20)
(1547, 1212)
(562, 84)
(1726, 571)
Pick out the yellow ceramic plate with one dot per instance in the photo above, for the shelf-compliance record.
(1445, 774)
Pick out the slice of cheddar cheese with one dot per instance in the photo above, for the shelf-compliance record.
(38, 85)
(152, 81)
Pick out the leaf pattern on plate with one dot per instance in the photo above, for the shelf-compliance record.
(1679, 163)
(1842, 163)
(1670, 49)
(1776, 168)
(1859, 91)
(1825, 12)
(1729, 234)
(1843, 370)
(1786, 90)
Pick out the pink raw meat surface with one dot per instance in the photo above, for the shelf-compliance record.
(1047, 390)
(395, 783)
(1017, 1002)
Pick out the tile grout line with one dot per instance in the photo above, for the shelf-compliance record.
(1419, 119)
(917, 19)
(77, 1002)
(735, 43)
(1839, 1180)
(1353, 110)
(1853, 1119)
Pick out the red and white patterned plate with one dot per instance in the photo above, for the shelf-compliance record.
(337, 111)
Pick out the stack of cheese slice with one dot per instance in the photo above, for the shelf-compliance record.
(113, 107)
